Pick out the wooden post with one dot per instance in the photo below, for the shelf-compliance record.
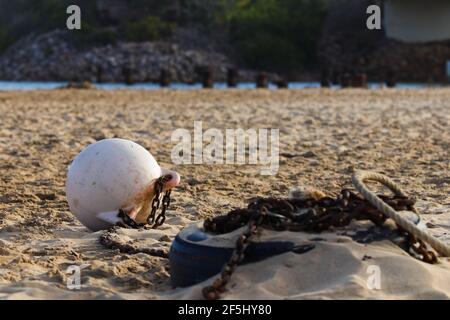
(325, 78)
(164, 78)
(360, 80)
(127, 75)
(335, 76)
(346, 80)
(207, 79)
(232, 77)
(262, 80)
(99, 74)
(390, 79)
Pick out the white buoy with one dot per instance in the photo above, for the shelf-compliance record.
(110, 175)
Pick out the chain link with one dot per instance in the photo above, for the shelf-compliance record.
(156, 201)
(213, 292)
(313, 215)
(161, 218)
(127, 222)
(310, 215)
(419, 249)
(112, 240)
(153, 220)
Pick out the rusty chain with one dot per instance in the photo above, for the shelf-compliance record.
(310, 215)
(419, 249)
(112, 240)
(313, 215)
(256, 219)
(152, 220)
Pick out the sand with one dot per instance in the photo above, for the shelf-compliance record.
(324, 135)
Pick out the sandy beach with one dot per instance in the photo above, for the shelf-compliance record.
(324, 135)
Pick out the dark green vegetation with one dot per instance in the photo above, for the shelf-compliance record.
(282, 34)
(275, 35)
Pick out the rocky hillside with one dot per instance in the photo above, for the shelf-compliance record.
(141, 37)
(50, 56)
(136, 40)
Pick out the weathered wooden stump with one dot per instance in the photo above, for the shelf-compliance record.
(391, 80)
(325, 78)
(360, 80)
(262, 80)
(164, 78)
(99, 76)
(335, 77)
(346, 80)
(207, 78)
(127, 74)
(232, 77)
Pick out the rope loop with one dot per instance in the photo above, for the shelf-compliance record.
(359, 177)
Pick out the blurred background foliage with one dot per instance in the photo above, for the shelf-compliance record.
(149, 28)
(275, 35)
(282, 34)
